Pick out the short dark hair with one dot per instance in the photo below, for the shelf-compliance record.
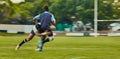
(45, 8)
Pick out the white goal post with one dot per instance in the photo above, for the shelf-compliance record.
(108, 20)
(96, 17)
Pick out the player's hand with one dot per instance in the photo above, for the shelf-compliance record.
(52, 27)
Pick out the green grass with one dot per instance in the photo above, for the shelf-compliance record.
(61, 48)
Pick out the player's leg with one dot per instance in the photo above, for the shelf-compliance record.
(50, 36)
(44, 40)
(40, 43)
(30, 36)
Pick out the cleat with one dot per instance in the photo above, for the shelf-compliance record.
(17, 47)
(38, 49)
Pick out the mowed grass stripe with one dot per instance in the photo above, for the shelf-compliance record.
(61, 48)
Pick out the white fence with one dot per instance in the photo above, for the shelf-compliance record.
(92, 34)
(27, 28)
(16, 28)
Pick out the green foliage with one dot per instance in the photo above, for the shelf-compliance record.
(63, 10)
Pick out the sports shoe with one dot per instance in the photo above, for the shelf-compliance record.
(17, 47)
(39, 49)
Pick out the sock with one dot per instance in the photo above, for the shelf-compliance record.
(46, 40)
(21, 43)
(40, 44)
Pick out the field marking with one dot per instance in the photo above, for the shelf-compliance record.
(61, 48)
(82, 57)
(57, 47)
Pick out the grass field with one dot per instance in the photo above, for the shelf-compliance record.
(61, 48)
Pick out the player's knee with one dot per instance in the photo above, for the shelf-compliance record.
(28, 39)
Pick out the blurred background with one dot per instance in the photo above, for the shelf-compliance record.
(71, 15)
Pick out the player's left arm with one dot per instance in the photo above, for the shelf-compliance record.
(53, 22)
(36, 19)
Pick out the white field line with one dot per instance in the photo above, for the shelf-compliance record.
(60, 48)
(63, 48)
(80, 57)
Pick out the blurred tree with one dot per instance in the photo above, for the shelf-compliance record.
(5, 10)
(107, 10)
(65, 11)
(73, 10)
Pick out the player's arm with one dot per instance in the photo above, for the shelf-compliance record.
(53, 20)
(36, 19)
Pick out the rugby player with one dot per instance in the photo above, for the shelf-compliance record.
(42, 28)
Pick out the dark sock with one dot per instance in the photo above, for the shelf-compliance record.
(46, 40)
(21, 43)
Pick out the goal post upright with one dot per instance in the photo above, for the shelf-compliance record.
(95, 16)
(108, 20)
(96, 20)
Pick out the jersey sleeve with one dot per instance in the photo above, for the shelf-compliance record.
(37, 17)
(53, 18)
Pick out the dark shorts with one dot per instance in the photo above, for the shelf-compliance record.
(32, 32)
(42, 31)
(46, 30)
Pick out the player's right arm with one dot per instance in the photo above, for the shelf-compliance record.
(36, 19)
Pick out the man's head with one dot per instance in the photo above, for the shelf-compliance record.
(45, 8)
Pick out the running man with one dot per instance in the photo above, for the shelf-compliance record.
(42, 28)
